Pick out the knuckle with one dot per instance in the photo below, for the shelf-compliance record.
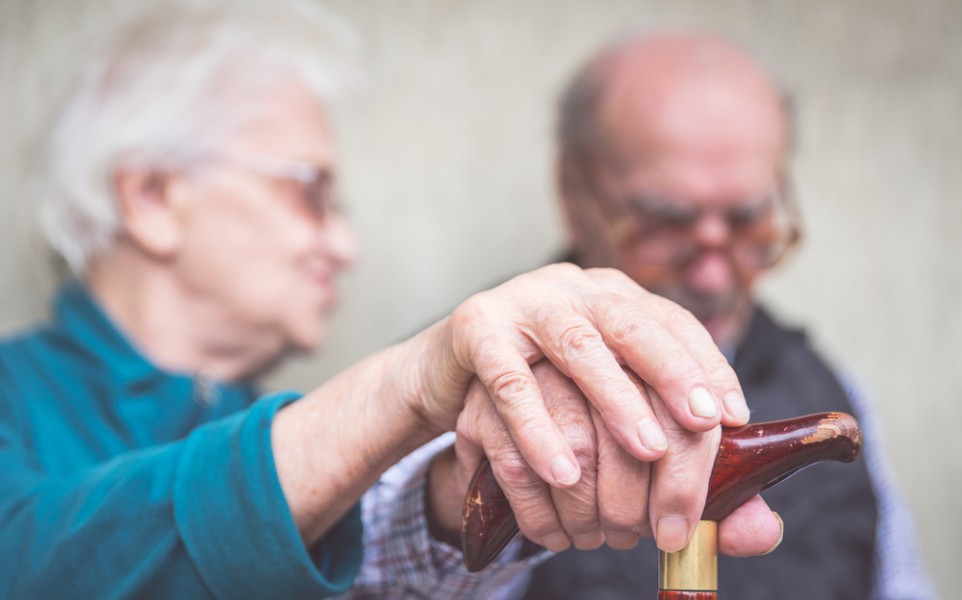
(527, 494)
(466, 426)
(513, 469)
(628, 325)
(678, 317)
(622, 396)
(511, 389)
(471, 312)
(579, 512)
(535, 518)
(609, 274)
(535, 525)
(579, 340)
(564, 269)
(577, 431)
(535, 432)
(680, 320)
(680, 488)
(719, 370)
(678, 366)
(624, 519)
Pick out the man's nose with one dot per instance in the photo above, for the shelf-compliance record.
(712, 230)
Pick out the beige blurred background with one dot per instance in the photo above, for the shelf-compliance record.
(447, 170)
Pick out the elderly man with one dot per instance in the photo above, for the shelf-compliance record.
(673, 169)
(190, 192)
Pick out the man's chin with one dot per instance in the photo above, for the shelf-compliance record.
(705, 309)
(726, 323)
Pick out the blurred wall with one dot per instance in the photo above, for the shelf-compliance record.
(447, 169)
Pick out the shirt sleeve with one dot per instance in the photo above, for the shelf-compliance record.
(899, 571)
(204, 517)
(402, 560)
(234, 521)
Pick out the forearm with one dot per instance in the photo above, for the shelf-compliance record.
(332, 445)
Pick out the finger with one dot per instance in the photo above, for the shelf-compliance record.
(696, 339)
(679, 481)
(577, 506)
(472, 425)
(578, 348)
(721, 379)
(654, 336)
(516, 395)
(750, 530)
(622, 491)
(480, 426)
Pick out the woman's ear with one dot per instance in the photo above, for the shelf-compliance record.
(151, 214)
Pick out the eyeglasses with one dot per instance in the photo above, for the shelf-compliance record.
(662, 231)
(313, 184)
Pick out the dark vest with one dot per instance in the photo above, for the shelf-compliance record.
(829, 508)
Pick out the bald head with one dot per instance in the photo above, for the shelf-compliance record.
(672, 155)
(692, 85)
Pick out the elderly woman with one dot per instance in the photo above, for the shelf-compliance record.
(190, 193)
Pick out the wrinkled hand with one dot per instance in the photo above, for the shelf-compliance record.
(588, 323)
(618, 497)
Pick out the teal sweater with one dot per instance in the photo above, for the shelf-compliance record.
(119, 480)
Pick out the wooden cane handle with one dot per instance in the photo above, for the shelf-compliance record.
(750, 459)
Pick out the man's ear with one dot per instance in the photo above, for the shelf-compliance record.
(568, 177)
(571, 188)
(151, 215)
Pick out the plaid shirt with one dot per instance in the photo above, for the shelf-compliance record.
(401, 560)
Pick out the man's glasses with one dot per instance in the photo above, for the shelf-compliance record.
(662, 231)
(312, 184)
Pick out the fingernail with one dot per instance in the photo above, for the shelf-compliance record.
(736, 406)
(702, 403)
(556, 541)
(621, 540)
(781, 534)
(564, 471)
(588, 541)
(672, 533)
(651, 435)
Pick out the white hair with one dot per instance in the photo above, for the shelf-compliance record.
(155, 96)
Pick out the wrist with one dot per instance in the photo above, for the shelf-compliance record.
(436, 379)
(332, 445)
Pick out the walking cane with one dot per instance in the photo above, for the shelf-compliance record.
(750, 459)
